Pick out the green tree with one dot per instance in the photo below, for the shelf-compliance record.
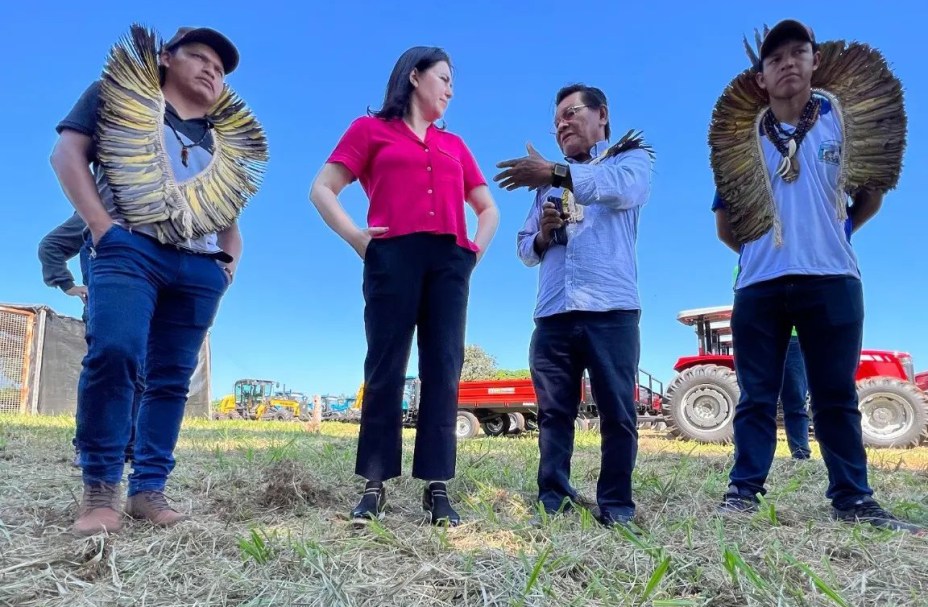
(513, 374)
(478, 364)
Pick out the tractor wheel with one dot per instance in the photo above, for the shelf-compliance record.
(496, 425)
(700, 404)
(531, 423)
(516, 423)
(467, 425)
(894, 413)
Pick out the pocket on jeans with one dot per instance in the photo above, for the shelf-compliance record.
(107, 236)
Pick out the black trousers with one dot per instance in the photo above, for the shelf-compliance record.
(608, 345)
(418, 282)
(828, 313)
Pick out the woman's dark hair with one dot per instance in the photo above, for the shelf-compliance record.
(397, 98)
(591, 96)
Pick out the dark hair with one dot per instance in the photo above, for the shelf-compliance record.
(397, 97)
(163, 71)
(591, 96)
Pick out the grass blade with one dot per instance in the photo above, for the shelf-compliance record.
(819, 583)
(656, 578)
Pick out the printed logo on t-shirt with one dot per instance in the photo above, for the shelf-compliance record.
(830, 152)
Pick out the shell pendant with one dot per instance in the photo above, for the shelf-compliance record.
(788, 169)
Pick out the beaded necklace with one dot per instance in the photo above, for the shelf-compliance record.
(788, 143)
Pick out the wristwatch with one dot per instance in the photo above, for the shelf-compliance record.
(558, 174)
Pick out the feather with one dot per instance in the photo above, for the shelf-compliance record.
(131, 149)
(755, 60)
(868, 101)
(632, 140)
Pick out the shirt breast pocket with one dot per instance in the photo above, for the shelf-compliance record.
(448, 167)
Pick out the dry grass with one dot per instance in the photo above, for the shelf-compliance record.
(269, 504)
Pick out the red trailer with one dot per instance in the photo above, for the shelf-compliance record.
(509, 406)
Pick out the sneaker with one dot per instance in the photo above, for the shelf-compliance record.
(735, 502)
(99, 512)
(435, 502)
(152, 506)
(867, 510)
(372, 505)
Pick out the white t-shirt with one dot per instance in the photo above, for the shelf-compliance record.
(814, 241)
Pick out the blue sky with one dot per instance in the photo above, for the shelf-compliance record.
(294, 313)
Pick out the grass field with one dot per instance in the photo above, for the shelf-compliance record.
(269, 503)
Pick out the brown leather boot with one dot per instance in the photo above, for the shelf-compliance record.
(153, 507)
(99, 511)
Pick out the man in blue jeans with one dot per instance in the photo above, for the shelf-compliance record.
(797, 269)
(162, 214)
(55, 250)
(587, 313)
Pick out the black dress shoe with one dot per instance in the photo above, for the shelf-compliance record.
(372, 505)
(435, 502)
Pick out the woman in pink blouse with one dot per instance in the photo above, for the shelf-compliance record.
(417, 265)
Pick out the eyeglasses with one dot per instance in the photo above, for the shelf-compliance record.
(568, 115)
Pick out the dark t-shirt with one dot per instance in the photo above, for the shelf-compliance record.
(194, 133)
(83, 119)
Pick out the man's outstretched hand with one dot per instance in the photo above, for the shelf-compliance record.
(531, 171)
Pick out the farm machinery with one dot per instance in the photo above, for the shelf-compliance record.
(257, 399)
(509, 406)
(699, 403)
(700, 400)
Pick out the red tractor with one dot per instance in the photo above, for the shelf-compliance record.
(921, 380)
(700, 401)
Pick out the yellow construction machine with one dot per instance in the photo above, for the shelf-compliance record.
(257, 399)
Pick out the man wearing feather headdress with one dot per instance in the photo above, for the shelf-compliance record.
(792, 139)
(158, 157)
(582, 230)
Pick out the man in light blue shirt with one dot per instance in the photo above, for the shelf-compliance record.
(582, 230)
(802, 273)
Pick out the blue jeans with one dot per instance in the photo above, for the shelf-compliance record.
(149, 304)
(828, 313)
(606, 344)
(793, 398)
(84, 258)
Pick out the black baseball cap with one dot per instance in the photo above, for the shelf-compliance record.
(227, 52)
(788, 29)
